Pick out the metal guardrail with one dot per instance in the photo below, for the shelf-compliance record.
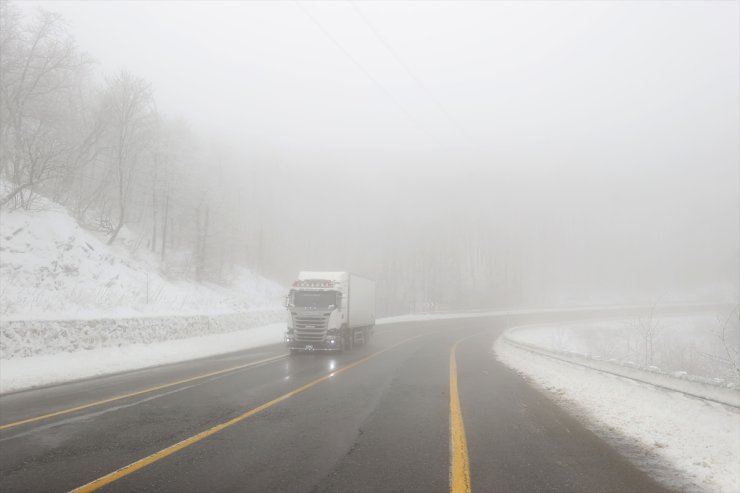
(690, 386)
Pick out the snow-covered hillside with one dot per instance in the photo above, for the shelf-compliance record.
(688, 444)
(51, 268)
(703, 344)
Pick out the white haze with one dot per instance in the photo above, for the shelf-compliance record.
(588, 151)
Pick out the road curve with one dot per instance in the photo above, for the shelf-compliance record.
(379, 418)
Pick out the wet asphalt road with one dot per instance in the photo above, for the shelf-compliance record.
(373, 419)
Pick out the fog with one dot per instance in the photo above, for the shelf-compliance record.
(464, 154)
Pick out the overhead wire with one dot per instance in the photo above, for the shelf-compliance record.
(417, 80)
(367, 74)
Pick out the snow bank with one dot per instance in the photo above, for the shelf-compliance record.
(711, 389)
(23, 339)
(687, 443)
(689, 346)
(72, 306)
(52, 269)
(24, 373)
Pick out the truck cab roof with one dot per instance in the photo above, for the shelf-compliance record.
(339, 277)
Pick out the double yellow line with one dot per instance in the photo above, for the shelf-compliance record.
(139, 392)
(459, 462)
(140, 464)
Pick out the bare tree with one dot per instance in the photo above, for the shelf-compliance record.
(729, 337)
(201, 241)
(87, 130)
(130, 103)
(648, 329)
(40, 66)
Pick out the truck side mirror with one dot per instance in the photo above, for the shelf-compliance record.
(286, 301)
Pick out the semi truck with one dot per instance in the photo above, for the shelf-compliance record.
(329, 311)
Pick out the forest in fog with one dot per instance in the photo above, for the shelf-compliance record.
(544, 207)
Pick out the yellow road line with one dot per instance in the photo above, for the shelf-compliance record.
(138, 392)
(459, 464)
(140, 464)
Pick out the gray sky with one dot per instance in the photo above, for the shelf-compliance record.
(496, 76)
(615, 121)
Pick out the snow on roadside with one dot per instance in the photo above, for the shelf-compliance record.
(24, 373)
(688, 344)
(72, 306)
(687, 443)
(54, 269)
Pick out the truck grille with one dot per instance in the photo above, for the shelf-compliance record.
(310, 328)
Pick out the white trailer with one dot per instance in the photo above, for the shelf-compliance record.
(329, 311)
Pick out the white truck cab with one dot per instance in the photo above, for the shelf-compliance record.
(329, 311)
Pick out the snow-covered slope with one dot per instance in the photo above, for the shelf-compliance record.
(688, 444)
(687, 344)
(51, 268)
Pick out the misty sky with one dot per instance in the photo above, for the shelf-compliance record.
(614, 125)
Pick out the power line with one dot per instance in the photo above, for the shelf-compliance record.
(367, 74)
(417, 80)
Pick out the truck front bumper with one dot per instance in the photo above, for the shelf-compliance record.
(312, 346)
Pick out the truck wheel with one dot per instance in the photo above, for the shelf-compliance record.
(349, 340)
(364, 336)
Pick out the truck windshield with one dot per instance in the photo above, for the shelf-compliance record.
(314, 299)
